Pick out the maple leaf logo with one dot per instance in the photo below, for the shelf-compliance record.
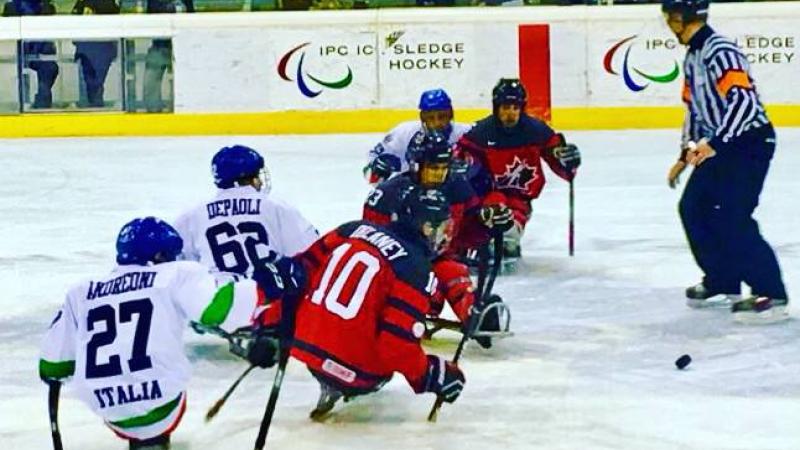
(518, 175)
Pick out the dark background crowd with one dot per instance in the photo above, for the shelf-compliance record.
(170, 6)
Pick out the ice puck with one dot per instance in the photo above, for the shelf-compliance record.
(683, 361)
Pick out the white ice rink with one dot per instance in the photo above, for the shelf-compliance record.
(591, 365)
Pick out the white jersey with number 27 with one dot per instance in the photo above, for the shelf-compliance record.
(120, 337)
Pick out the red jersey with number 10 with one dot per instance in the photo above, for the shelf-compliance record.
(362, 316)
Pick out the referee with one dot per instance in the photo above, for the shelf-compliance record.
(730, 141)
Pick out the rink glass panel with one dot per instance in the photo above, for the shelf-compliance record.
(89, 75)
(149, 75)
(9, 88)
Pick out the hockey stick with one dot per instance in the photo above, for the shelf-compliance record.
(571, 217)
(484, 292)
(436, 324)
(52, 407)
(218, 404)
(286, 330)
(266, 421)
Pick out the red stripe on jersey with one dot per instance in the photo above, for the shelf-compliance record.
(376, 217)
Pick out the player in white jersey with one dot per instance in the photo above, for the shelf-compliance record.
(119, 335)
(242, 227)
(389, 156)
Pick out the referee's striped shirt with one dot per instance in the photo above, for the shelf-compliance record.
(720, 95)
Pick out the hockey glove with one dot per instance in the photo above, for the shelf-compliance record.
(382, 167)
(263, 351)
(569, 156)
(497, 217)
(270, 281)
(293, 274)
(444, 378)
(284, 276)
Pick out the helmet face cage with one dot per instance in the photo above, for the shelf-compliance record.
(432, 174)
(266, 179)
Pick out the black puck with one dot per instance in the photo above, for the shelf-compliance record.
(683, 361)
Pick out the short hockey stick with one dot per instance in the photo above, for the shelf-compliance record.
(52, 407)
(218, 404)
(484, 292)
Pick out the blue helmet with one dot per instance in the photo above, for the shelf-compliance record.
(690, 9)
(509, 90)
(146, 240)
(233, 163)
(435, 100)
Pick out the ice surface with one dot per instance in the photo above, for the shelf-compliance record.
(591, 365)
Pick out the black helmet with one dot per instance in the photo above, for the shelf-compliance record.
(430, 146)
(509, 90)
(428, 212)
(429, 155)
(690, 10)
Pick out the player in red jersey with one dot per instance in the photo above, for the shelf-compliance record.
(506, 148)
(361, 316)
(431, 158)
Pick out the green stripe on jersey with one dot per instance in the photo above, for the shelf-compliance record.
(56, 370)
(151, 417)
(216, 312)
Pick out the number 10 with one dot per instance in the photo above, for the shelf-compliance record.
(332, 301)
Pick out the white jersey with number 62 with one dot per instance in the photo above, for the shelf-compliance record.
(241, 228)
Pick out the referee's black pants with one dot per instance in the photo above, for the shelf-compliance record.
(717, 214)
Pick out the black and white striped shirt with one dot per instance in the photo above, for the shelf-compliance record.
(720, 95)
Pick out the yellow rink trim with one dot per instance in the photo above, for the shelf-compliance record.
(319, 122)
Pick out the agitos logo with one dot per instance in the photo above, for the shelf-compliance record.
(301, 75)
(628, 70)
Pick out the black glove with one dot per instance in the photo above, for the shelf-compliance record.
(497, 217)
(569, 156)
(269, 281)
(382, 167)
(263, 351)
(443, 378)
(284, 276)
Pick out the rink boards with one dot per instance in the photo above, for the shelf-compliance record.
(362, 71)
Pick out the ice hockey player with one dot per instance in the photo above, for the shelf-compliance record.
(243, 226)
(734, 142)
(119, 335)
(505, 150)
(363, 312)
(389, 156)
(431, 158)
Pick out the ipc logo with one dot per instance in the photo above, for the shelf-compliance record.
(636, 80)
(301, 75)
